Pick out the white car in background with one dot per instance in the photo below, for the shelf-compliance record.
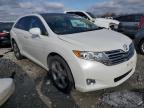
(100, 22)
(75, 51)
(7, 88)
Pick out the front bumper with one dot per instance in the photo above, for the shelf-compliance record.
(104, 76)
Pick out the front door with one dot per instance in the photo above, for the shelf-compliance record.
(35, 44)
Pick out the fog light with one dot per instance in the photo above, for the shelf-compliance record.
(90, 81)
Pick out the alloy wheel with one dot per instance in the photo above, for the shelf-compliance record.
(59, 74)
(142, 47)
(16, 50)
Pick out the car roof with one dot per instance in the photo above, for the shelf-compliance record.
(57, 14)
(51, 13)
(74, 11)
(46, 14)
(135, 14)
(54, 14)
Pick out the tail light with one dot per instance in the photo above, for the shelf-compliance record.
(141, 23)
(3, 34)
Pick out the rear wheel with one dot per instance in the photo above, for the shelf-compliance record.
(141, 47)
(60, 74)
(112, 27)
(17, 51)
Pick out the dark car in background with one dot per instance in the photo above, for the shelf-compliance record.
(141, 24)
(129, 24)
(5, 28)
(139, 41)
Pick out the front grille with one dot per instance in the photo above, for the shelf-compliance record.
(119, 56)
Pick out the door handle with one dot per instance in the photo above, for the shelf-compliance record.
(35, 36)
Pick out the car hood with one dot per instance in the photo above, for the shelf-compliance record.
(107, 20)
(98, 40)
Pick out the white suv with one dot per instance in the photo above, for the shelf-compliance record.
(76, 52)
(107, 23)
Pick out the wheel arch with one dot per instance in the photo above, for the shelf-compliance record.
(142, 39)
(12, 41)
(138, 45)
(56, 54)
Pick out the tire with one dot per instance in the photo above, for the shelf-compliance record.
(16, 50)
(60, 74)
(141, 47)
(112, 27)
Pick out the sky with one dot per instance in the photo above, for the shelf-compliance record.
(11, 9)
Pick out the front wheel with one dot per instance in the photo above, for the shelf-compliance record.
(60, 74)
(141, 47)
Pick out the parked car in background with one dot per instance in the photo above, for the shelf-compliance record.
(141, 24)
(5, 28)
(139, 41)
(7, 88)
(75, 51)
(100, 22)
(129, 24)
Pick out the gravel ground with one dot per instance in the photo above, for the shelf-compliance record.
(35, 90)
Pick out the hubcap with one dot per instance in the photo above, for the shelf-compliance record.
(59, 75)
(16, 50)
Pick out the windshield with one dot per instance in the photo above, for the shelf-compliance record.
(92, 15)
(67, 24)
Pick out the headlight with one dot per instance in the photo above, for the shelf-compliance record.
(93, 56)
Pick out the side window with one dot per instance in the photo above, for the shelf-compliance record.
(82, 15)
(124, 18)
(118, 18)
(131, 18)
(23, 23)
(36, 22)
(70, 13)
(138, 18)
(128, 18)
(79, 14)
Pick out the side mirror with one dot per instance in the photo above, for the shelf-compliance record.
(35, 31)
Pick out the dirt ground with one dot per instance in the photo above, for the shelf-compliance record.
(35, 90)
